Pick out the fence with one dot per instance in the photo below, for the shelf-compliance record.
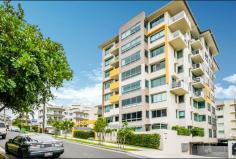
(210, 150)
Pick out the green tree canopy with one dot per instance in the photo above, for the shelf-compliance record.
(100, 125)
(30, 64)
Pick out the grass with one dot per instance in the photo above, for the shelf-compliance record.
(96, 144)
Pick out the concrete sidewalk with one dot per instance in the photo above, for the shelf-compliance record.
(145, 152)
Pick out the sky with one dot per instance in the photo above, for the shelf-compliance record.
(81, 26)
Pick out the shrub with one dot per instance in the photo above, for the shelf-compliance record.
(144, 140)
(182, 130)
(83, 134)
(197, 131)
(35, 128)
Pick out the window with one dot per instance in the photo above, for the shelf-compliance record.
(201, 105)
(146, 68)
(157, 36)
(130, 59)
(158, 81)
(201, 118)
(209, 120)
(146, 83)
(220, 116)
(116, 118)
(131, 73)
(159, 113)
(108, 61)
(155, 98)
(221, 132)
(107, 96)
(108, 50)
(107, 74)
(179, 54)
(129, 117)
(159, 126)
(209, 107)
(157, 51)
(158, 66)
(107, 85)
(146, 53)
(108, 108)
(131, 101)
(181, 114)
(131, 87)
(147, 114)
(213, 110)
(214, 133)
(181, 99)
(131, 45)
(146, 98)
(180, 69)
(210, 133)
(157, 21)
(109, 119)
(131, 31)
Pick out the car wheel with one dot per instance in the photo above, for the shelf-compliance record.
(19, 153)
(6, 149)
(3, 136)
(56, 156)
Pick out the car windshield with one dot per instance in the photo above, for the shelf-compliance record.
(2, 125)
(40, 138)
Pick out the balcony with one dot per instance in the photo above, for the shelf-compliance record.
(198, 82)
(114, 86)
(196, 44)
(115, 62)
(177, 40)
(179, 88)
(180, 22)
(114, 74)
(198, 96)
(115, 50)
(114, 99)
(197, 56)
(197, 69)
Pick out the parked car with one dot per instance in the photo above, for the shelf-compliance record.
(3, 130)
(15, 129)
(34, 145)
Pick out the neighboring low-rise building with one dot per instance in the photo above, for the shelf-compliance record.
(82, 116)
(226, 119)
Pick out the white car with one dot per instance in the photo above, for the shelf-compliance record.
(14, 128)
(3, 130)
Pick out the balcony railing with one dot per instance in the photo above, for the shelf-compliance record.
(179, 16)
(177, 84)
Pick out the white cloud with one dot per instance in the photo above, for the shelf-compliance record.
(231, 79)
(86, 95)
(225, 93)
(91, 95)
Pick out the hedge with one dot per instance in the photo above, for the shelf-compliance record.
(197, 131)
(182, 130)
(144, 140)
(83, 134)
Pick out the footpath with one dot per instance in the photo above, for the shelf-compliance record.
(134, 150)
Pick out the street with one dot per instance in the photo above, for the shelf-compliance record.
(76, 150)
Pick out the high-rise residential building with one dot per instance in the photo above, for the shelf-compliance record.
(159, 72)
(226, 119)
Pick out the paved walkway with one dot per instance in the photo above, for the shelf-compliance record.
(146, 152)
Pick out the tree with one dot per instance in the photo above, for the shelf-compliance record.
(30, 64)
(123, 133)
(99, 127)
(57, 126)
(67, 125)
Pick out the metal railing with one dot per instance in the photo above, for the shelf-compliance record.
(178, 16)
(177, 84)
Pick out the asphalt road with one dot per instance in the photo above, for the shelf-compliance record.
(76, 150)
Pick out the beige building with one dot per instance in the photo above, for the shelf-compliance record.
(159, 72)
(76, 113)
(226, 119)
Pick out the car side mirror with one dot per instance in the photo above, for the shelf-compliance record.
(10, 140)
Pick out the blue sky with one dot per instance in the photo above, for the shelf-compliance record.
(81, 26)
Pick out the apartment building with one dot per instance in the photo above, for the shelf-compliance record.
(226, 119)
(75, 113)
(159, 72)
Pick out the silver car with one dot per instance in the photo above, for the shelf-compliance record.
(34, 145)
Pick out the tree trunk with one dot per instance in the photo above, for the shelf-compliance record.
(2, 108)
